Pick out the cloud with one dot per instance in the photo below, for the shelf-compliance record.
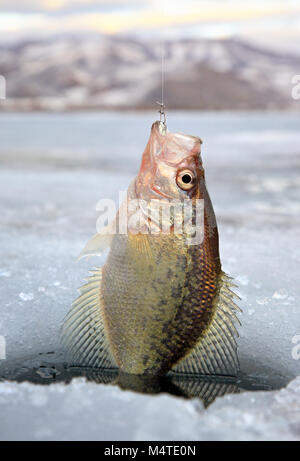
(61, 5)
(213, 18)
(166, 6)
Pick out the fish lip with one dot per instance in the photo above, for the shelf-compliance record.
(159, 193)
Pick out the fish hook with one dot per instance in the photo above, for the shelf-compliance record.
(162, 115)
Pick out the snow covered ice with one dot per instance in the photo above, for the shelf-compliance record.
(89, 411)
(50, 181)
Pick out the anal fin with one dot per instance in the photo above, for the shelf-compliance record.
(83, 333)
(216, 351)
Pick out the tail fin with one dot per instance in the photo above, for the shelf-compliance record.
(84, 335)
(216, 351)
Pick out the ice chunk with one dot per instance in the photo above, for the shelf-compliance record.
(26, 296)
(280, 294)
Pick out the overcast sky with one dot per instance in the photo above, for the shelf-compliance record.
(272, 22)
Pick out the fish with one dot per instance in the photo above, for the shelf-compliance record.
(161, 304)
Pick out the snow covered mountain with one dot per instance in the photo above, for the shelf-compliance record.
(69, 73)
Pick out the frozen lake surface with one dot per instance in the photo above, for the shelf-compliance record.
(54, 169)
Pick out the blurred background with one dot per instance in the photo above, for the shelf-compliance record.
(82, 81)
(93, 54)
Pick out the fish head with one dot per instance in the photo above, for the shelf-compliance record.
(171, 166)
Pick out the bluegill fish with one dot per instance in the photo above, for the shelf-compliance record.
(159, 304)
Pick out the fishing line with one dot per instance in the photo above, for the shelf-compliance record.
(162, 113)
(162, 73)
(162, 104)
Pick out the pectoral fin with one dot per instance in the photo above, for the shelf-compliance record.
(96, 245)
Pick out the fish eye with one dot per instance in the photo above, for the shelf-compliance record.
(186, 180)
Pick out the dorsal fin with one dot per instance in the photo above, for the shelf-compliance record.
(84, 334)
(216, 351)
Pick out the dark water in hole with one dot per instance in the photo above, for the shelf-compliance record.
(50, 368)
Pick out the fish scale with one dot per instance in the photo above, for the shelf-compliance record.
(142, 322)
